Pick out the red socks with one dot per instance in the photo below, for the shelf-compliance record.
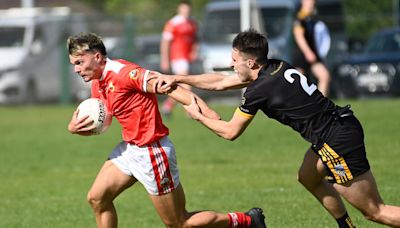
(239, 220)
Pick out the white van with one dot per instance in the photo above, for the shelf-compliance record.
(222, 23)
(34, 61)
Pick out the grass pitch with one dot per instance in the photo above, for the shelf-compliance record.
(46, 172)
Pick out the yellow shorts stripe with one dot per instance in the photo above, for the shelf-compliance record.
(245, 115)
(336, 164)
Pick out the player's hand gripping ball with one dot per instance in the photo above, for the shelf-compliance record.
(98, 112)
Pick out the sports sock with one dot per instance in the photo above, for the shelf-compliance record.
(239, 220)
(345, 222)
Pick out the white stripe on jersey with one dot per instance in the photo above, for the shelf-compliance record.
(146, 74)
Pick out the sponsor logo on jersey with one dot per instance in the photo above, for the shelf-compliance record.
(134, 74)
(243, 100)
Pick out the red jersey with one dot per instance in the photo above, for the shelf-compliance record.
(123, 89)
(181, 32)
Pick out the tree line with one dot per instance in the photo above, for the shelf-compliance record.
(363, 17)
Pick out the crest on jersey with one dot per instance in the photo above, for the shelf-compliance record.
(134, 74)
(340, 170)
(110, 87)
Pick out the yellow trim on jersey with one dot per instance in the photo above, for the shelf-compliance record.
(303, 14)
(336, 164)
(245, 115)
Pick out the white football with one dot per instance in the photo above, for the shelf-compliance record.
(98, 112)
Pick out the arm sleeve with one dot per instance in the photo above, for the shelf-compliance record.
(251, 102)
(168, 31)
(135, 78)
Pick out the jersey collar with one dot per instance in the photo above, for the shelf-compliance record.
(106, 69)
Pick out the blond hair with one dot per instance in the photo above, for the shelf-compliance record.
(85, 42)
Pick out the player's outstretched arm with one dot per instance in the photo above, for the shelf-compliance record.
(209, 81)
(229, 130)
(184, 96)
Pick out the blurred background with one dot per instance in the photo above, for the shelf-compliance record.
(364, 57)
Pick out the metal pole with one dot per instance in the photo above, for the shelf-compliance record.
(65, 76)
(27, 3)
(129, 37)
(245, 10)
(396, 9)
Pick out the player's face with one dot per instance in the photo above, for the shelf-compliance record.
(184, 10)
(308, 5)
(240, 65)
(87, 65)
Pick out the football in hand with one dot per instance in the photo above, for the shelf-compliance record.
(98, 112)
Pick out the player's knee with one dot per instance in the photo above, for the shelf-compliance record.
(97, 203)
(301, 177)
(309, 182)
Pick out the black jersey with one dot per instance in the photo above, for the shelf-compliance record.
(284, 94)
(308, 23)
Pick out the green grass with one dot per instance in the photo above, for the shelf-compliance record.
(45, 172)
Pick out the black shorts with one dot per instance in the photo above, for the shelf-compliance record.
(343, 154)
(299, 60)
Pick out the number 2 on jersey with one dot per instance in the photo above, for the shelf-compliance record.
(309, 89)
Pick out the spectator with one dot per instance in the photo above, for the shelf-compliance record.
(178, 47)
(312, 44)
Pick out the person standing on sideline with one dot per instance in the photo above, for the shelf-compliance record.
(308, 54)
(336, 163)
(178, 47)
(146, 154)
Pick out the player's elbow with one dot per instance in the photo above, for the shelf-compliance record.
(231, 136)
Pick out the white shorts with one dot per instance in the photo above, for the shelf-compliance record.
(153, 165)
(180, 66)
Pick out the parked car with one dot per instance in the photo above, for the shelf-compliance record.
(34, 67)
(222, 21)
(375, 71)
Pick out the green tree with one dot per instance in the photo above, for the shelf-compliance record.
(367, 16)
(363, 17)
(150, 14)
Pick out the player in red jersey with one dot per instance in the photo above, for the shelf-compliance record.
(146, 154)
(178, 47)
